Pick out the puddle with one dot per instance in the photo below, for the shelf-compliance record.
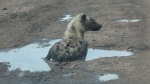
(108, 77)
(21, 74)
(66, 18)
(30, 56)
(97, 53)
(129, 20)
(68, 74)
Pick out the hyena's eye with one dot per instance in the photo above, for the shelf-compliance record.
(93, 22)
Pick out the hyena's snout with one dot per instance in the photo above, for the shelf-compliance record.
(95, 27)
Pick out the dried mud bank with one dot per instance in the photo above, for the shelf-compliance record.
(28, 21)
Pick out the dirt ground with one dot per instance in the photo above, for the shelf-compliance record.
(25, 21)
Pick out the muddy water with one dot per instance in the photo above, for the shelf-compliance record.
(68, 74)
(30, 56)
(66, 18)
(108, 77)
(97, 53)
(129, 20)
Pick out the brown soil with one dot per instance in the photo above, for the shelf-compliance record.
(25, 21)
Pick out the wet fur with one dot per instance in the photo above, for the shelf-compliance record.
(73, 46)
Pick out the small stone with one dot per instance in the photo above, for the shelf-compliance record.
(93, 40)
(61, 67)
(5, 8)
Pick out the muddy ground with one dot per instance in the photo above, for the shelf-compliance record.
(25, 21)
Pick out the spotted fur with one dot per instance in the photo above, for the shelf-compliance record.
(73, 46)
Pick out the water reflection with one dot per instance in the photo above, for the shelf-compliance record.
(66, 18)
(30, 56)
(108, 77)
(98, 53)
(129, 20)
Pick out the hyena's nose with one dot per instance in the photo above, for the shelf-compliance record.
(98, 27)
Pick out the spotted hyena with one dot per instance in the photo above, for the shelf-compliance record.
(73, 46)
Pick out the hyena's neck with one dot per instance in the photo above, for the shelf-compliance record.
(73, 32)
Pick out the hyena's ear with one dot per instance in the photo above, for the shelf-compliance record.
(83, 17)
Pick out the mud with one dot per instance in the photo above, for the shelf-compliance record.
(27, 57)
(26, 21)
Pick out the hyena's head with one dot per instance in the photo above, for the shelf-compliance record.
(89, 23)
(79, 25)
